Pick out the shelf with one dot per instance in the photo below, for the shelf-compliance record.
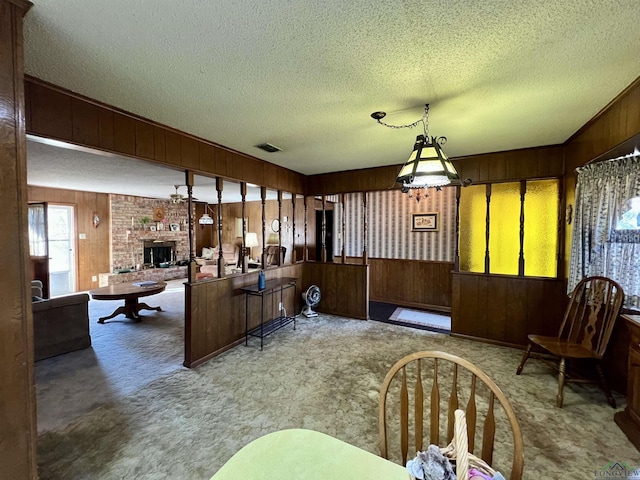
(267, 327)
(271, 326)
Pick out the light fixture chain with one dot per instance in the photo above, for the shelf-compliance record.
(425, 121)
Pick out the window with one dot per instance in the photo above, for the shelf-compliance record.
(510, 228)
(606, 231)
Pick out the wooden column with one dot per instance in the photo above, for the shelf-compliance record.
(306, 251)
(365, 255)
(323, 230)
(263, 197)
(456, 261)
(18, 405)
(280, 257)
(192, 269)
(344, 238)
(219, 188)
(243, 249)
(294, 256)
(523, 192)
(486, 231)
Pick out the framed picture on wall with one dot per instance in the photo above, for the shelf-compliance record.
(424, 222)
(175, 227)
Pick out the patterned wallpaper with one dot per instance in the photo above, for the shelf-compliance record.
(389, 225)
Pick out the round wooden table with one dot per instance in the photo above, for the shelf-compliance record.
(130, 293)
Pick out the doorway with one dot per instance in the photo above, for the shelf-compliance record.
(328, 234)
(62, 249)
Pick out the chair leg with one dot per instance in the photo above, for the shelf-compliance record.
(525, 356)
(605, 386)
(561, 376)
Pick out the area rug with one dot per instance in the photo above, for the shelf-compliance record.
(325, 376)
(428, 320)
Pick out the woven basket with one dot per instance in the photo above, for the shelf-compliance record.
(458, 450)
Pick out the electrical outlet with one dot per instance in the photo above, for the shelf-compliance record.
(94, 278)
(279, 306)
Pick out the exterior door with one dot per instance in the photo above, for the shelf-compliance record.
(62, 251)
(38, 245)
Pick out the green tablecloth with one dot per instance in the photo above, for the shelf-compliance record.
(306, 455)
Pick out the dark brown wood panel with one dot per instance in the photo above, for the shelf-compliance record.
(106, 128)
(615, 124)
(86, 123)
(539, 162)
(189, 154)
(159, 141)
(145, 140)
(411, 283)
(364, 180)
(345, 288)
(55, 112)
(124, 129)
(215, 321)
(506, 309)
(17, 408)
(50, 113)
(207, 156)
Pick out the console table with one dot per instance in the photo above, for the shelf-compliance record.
(629, 419)
(272, 287)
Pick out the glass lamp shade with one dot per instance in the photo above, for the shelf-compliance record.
(205, 219)
(428, 166)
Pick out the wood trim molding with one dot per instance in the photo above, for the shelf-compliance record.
(58, 113)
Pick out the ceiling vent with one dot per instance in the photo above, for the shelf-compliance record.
(267, 147)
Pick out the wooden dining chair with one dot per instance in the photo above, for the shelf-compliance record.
(428, 376)
(584, 333)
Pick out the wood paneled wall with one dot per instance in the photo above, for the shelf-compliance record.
(513, 165)
(526, 163)
(615, 124)
(505, 309)
(215, 312)
(54, 112)
(412, 283)
(344, 288)
(93, 252)
(18, 431)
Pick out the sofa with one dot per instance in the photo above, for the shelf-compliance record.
(272, 255)
(230, 254)
(60, 325)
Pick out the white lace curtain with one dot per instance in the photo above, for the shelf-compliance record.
(604, 194)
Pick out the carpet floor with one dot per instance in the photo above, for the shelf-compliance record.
(127, 409)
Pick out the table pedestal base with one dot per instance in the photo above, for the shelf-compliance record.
(131, 310)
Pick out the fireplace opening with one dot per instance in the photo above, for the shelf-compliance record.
(156, 252)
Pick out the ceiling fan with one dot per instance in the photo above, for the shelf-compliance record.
(178, 197)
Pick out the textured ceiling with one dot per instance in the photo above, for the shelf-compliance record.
(306, 75)
(52, 164)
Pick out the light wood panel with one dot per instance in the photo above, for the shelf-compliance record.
(344, 288)
(411, 283)
(215, 312)
(17, 407)
(92, 252)
(54, 112)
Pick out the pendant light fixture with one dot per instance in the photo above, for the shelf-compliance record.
(428, 165)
